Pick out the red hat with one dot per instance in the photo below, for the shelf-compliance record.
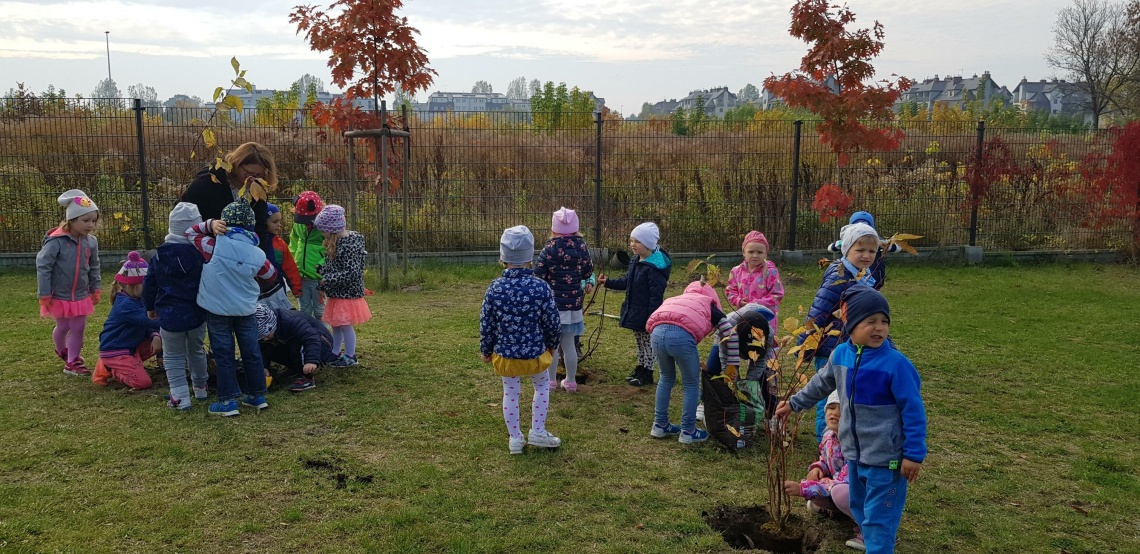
(307, 206)
(754, 236)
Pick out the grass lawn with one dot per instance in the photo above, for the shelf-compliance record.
(1031, 377)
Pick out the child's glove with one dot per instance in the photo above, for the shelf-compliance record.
(95, 296)
(45, 303)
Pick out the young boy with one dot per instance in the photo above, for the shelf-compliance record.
(229, 291)
(307, 246)
(879, 266)
(882, 425)
(295, 340)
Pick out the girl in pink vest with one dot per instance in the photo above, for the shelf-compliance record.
(675, 329)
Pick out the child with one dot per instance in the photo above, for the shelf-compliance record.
(676, 327)
(879, 266)
(229, 291)
(129, 337)
(67, 277)
(170, 293)
(644, 283)
(342, 282)
(307, 246)
(826, 488)
(295, 340)
(565, 265)
(518, 330)
(722, 408)
(882, 425)
(860, 243)
(288, 278)
(755, 280)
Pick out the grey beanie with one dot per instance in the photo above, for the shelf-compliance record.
(184, 216)
(517, 245)
(76, 204)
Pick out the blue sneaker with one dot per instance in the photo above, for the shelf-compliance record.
(257, 401)
(659, 432)
(696, 435)
(344, 361)
(225, 409)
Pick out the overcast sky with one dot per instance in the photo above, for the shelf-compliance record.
(627, 51)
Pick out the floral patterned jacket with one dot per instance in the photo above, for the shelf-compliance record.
(519, 319)
(833, 465)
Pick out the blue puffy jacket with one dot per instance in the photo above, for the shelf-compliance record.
(171, 287)
(127, 325)
(564, 263)
(836, 279)
(644, 285)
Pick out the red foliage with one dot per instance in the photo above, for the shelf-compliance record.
(831, 202)
(844, 56)
(1111, 183)
(997, 162)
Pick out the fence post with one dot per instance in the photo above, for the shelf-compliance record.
(384, 194)
(404, 182)
(138, 108)
(352, 184)
(598, 179)
(795, 183)
(973, 195)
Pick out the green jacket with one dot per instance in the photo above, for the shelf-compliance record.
(308, 249)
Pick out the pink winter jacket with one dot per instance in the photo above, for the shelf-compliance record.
(762, 286)
(691, 311)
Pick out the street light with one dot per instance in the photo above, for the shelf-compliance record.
(108, 35)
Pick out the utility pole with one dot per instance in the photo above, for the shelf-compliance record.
(108, 35)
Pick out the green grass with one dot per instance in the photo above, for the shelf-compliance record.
(1031, 379)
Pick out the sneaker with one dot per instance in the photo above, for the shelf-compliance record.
(856, 542)
(177, 403)
(77, 368)
(516, 445)
(257, 401)
(543, 439)
(225, 409)
(344, 361)
(814, 508)
(569, 385)
(633, 374)
(303, 384)
(697, 435)
(201, 393)
(700, 412)
(660, 432)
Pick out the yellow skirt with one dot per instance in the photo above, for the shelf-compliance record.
(512, 367)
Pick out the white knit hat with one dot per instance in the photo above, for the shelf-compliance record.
(648, 234)
(184, 216)
(832, 398)
(850, 234)
(77, 203)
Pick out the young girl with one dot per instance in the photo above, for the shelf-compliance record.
(288, 278)
(879, 266)
(860, 243)
(518, 329)
(306, 245)
(129, 336)
(67, 277)
(755, 280)
(676, 328)
(826, 488)
(565, 264)
(170, 293)
(342, 282)
(644, 283)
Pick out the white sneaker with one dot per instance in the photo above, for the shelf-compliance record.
(700, 412)
(516, 445)
(543, 439)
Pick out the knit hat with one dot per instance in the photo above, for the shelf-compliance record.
(271, 208)
(648, 234)
(133, 271)
(330, 220)
(832, 398)
(702, 288)
(266, 320)
(77, 203)
(863, 217)
(184, 216)
(306, 207)
(754, 236)
(516, 246)
(564, 222)
(860, 302)
(238, 214)
(850, 234)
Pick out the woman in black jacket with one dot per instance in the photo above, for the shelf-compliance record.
(214, 188)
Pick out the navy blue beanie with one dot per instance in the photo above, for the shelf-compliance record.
(860, 302)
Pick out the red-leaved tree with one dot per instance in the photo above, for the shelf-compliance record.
(836, 81)
(1111, 183)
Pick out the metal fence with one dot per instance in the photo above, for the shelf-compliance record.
(472, 174)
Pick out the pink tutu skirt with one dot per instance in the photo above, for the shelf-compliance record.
(346, 311)
(63, 309)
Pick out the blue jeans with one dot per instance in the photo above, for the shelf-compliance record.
(223, 329)
(675, 348)
(310, 298)
(182, 350)
(878, 495)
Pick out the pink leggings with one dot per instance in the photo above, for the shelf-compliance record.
(512, 390)
(68, 336)
(840, 500)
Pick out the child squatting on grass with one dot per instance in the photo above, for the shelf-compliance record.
(295, 340)
(564, 264)
(129, 337)
(518, 331)
(882, 423)
(644, 285)
(67, 278)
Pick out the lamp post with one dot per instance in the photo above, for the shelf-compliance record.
(108, 35)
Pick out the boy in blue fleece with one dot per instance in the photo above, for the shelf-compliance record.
(882, 426)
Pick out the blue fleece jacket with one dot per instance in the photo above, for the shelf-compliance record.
(644, 285)
(127, 325)
(171, 287)
(883, 419)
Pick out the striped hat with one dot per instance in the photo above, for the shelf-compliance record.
(133, 271)
(266, 320)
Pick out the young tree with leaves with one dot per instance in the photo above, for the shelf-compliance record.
(482, 87)
(748, 94)
(517, 89)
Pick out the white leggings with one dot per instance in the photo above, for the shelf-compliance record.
(538, 406)
(567, 352)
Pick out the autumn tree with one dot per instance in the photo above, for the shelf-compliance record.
(835, 81)
(557, 107)
(107, 95)
(533, 88)
(1111, 183)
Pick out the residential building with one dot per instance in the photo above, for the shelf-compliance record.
(1054, 96)
(955, 91)
(768, 100)
(249, 99)
(714, 101)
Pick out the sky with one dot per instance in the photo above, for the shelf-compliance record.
(626, 51)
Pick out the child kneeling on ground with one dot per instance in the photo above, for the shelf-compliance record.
(732, 419)
(295, 340)
(129, 337)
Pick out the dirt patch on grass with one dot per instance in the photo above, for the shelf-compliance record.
(748, 528)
